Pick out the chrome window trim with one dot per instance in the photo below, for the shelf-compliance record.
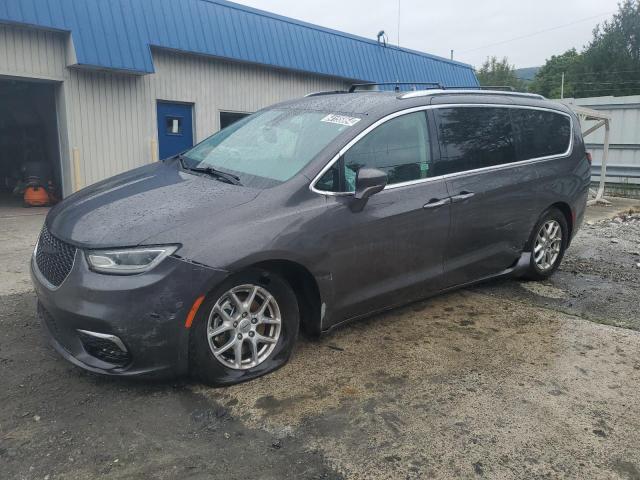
(391, 116)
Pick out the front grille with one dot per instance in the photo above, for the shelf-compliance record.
(54, 258)
(104, 349)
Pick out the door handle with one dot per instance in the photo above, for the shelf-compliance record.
(437, 202)
(464, 195)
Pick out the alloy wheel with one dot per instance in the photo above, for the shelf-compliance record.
(547, 246)
(244, 326)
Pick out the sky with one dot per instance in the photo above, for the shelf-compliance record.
(473, 29)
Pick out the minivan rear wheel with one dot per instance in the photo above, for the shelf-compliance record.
(547, 244)
(245, 328)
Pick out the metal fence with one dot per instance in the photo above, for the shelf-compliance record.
(623, 165)
(615, 171)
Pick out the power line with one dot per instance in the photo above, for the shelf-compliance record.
(602, 89)
(605, 83)
(581, 85)
(570, 78)
(537, 33)
(607, 73)
(398, 23)
(581, 92)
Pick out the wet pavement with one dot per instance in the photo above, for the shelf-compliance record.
(508, 379)
(457, 386)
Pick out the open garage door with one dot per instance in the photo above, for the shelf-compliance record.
(29, 150)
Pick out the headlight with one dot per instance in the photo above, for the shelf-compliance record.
(128, 261)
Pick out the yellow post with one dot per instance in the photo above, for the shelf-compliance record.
(154, 150)
(77, 178)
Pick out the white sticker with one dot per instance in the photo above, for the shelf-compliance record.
(341, 120)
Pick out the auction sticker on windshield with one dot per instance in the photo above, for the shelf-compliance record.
(341, 119)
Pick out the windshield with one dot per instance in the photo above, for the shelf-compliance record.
(269, 147)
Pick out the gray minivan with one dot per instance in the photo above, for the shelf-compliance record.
(307, 214)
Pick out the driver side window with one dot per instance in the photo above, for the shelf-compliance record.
(399, 147)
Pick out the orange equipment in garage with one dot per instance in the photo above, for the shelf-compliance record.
(36, 196)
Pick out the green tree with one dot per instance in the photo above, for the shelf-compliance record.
(496, 72)
(608, 65)
(548, 80)
(612, 59)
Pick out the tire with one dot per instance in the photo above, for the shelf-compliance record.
(220, 311)
(541, 270)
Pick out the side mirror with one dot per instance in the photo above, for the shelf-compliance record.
(368, 182)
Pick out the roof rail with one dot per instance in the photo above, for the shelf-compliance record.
(328, 92)
(501, 88)
(505, 88)
(356, 86)
(467, 90)
(438, 90)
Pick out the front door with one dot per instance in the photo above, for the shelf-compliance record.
(391, 251)
(175, 128)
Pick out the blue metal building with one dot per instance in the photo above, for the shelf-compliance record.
(131, 69)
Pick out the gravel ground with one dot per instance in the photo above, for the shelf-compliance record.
(509, 379)
(599, 278)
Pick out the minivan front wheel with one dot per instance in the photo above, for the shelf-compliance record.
(247, 327)
(548, 244)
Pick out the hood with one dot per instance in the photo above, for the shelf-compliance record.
(129, 208)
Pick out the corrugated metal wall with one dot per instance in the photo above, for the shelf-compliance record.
(108, 121)
(32, 53)
(114, 116)
(624, 141)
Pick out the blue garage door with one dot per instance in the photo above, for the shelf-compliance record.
(175, 128)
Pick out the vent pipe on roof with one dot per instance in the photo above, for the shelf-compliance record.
(382, 38)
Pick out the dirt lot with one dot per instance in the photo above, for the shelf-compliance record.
(509, 379)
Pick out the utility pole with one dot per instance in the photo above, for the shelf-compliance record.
(398, 23)
(562, 87)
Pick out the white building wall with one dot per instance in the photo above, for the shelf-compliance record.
(107, 120)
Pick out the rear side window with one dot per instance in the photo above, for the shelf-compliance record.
(399, 147)
(473, 137)
(542, 133)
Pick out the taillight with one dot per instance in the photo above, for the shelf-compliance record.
(589, 158)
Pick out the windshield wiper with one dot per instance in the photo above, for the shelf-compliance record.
(225, 176)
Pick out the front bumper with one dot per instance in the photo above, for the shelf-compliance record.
(124, 325)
